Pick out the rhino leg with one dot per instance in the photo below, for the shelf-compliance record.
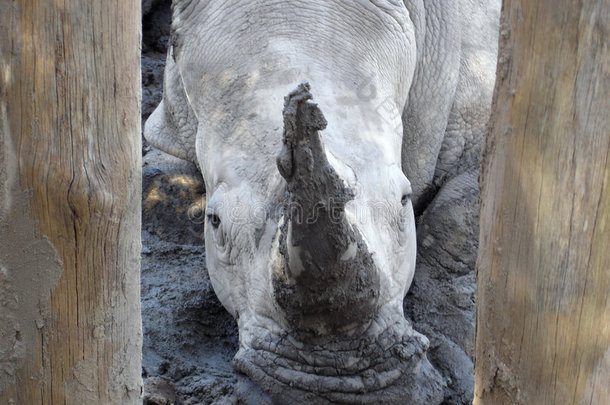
(426, 113)
(461, 147)
(445, 282)
(450, 99)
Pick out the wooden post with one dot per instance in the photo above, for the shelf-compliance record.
(543, 271)
(70, 186)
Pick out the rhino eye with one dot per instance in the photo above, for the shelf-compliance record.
(405, 199)
(214, 220)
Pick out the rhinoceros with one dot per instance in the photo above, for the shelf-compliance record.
(318, 126)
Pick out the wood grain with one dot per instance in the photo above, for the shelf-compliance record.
(543, 271)
(70, 87)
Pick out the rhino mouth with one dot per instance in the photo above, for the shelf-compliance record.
(387, 363)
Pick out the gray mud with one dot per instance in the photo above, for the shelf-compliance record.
(189, 338)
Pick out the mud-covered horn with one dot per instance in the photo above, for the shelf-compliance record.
(330, 282)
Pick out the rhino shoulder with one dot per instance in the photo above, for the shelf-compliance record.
(425, 115)
(471, 106)
(450, 97)
(172, 127)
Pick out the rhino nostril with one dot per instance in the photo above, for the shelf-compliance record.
(214, 220)
(405, 199)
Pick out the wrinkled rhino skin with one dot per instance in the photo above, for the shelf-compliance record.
(310, 231)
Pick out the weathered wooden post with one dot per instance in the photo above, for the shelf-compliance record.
(70, 185)
(543, 305)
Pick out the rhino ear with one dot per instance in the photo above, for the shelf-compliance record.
(172, 127)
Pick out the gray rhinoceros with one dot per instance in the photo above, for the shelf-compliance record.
(310, 231)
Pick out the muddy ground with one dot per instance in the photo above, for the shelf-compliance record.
(189, 339)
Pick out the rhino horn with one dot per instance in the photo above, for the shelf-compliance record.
(330, 283)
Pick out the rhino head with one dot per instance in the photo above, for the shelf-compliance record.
(310, 235)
